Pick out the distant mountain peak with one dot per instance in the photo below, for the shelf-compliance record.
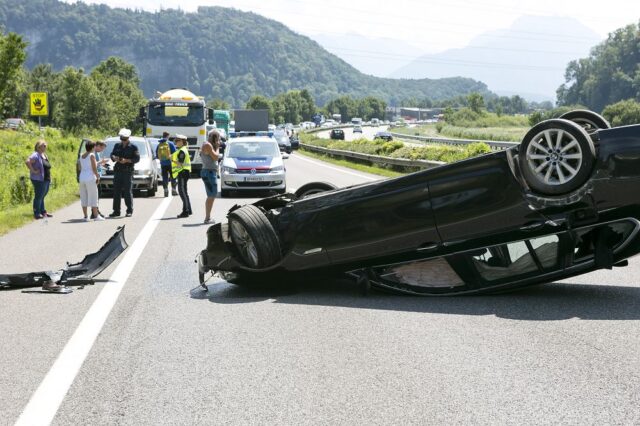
(528, 57)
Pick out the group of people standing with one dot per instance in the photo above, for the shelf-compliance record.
(174, 160)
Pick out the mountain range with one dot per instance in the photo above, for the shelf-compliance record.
(529, 58)
(216, 52)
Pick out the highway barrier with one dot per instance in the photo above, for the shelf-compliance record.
(375, 159)
(494, 145)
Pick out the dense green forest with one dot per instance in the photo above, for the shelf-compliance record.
(217, 52)
(610, 73)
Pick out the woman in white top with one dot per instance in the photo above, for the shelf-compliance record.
(89, 179)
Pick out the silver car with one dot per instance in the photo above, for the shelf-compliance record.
(145, 175)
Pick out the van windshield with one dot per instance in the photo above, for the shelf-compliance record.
(176, 114)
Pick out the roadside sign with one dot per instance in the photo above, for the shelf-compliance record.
(39, 104)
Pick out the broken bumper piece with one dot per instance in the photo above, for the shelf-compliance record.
(80, 273)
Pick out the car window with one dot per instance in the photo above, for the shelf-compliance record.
(616, 233)
(252, 149)
(517, 258)
(142, 148)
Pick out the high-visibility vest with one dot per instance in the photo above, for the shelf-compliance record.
(176, 169)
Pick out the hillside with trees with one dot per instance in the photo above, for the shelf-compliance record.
(217, 52)
(610, 73)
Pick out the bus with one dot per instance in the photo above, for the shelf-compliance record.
(178, 111)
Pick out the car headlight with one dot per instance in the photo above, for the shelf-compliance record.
(277, 168)
(226, 169)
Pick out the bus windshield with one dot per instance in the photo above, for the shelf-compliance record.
(176, 114)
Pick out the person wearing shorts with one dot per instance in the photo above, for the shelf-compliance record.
(210, 153)
(89, 178)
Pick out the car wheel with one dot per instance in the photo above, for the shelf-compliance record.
(253, 237)
(556, 157)
(314, 188)
(588, 120)
(152, 192)
(224, 193)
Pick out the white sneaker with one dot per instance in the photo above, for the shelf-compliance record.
(86, 219)
(100, 218)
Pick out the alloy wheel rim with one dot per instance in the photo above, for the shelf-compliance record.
(244, 243)
(554, 157)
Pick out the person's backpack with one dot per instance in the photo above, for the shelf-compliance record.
(164, 152)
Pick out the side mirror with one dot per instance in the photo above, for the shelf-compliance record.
(210, 115)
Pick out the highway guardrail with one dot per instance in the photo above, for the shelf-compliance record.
(376, 159)
(494, 145)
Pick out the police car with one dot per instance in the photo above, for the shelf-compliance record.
(252, 163)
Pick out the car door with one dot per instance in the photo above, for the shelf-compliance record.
(380, 219)
(478, 202)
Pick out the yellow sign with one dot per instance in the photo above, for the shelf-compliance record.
(39, 103)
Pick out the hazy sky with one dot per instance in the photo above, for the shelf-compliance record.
(417, 22)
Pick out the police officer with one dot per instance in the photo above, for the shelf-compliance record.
(181, 169)
(124, 155)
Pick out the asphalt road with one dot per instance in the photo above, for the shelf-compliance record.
(169, 353)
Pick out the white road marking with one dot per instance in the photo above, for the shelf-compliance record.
(45, 402)
(317, 163)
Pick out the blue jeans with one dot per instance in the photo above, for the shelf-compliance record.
(40, 189)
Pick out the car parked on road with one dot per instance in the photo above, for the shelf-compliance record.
(284, 141)
(336, 134)
(386, 136)
(145, 175)
(252, 163)
(13, 123)
(561, 203)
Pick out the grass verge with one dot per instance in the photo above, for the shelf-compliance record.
(16, 191)
(351, 165)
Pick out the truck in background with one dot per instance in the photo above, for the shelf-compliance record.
(337, 118)
(356, 121)
(222, 119)
(178, 111)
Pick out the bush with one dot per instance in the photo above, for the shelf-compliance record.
(15, 147)
(623, 113)
(539, 116)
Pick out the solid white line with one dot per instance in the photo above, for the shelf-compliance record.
(317, 163)
(46, 400)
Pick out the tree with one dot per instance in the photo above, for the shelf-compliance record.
(219, 104)
(476, 102)
(623, 113)
(118, 83)
(12, 56)
(117, 67)
(610, 73)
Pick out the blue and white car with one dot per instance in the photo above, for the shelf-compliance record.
(252, 163)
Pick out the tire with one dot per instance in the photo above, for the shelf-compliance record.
(588, 120)
(224, 193)
(152, 192)
(556, 157)
(253, 237)
(314, 188)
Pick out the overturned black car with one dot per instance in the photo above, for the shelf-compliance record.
(564, 202)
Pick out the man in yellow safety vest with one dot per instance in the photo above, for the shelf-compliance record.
(180, 170)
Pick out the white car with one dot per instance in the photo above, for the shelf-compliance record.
(252, 163)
